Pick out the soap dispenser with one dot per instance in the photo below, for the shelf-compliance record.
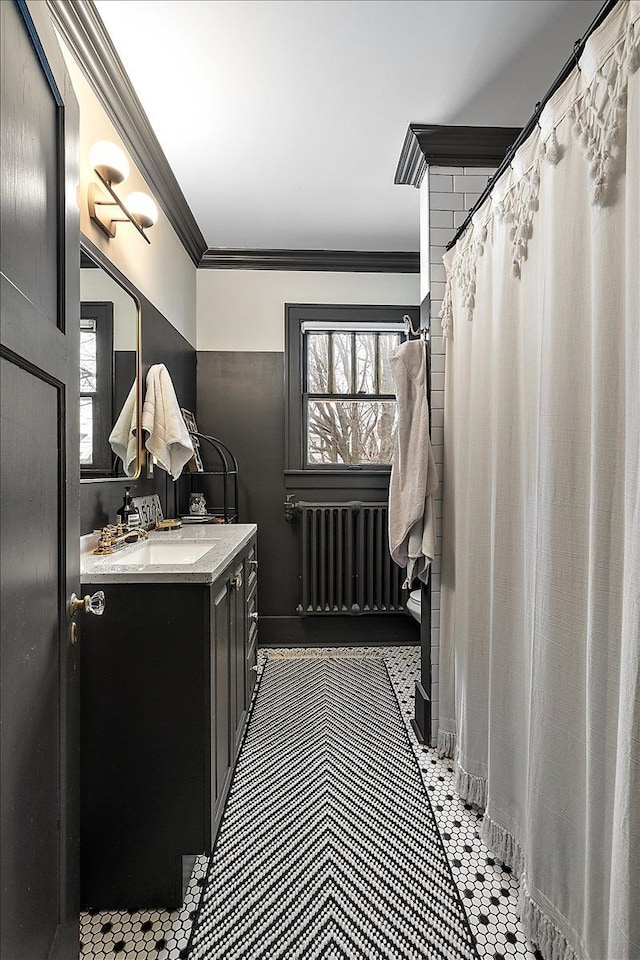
(128, 514)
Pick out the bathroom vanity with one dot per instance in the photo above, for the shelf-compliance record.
(167, 677)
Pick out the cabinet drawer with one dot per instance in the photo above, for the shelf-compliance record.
(252, 628)
(252, 602)
(252, 625)
(251, 567)
(251, 667)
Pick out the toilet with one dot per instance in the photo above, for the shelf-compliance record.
(414, 604)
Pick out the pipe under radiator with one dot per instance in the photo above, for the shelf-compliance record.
(346, 565)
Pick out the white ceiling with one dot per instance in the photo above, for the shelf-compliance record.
(283, 120)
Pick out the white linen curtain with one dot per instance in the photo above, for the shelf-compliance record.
(540, 619)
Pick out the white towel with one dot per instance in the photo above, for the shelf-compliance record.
(414, 476)
(167, 437)
(123, 438)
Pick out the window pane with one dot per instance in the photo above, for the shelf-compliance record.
(341, 362)
(317, 362)
(88, 361)
(388, 342)
(365, 363)
(350, 431)
(86, 430)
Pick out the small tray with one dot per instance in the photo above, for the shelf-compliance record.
(194, 518)
(174, 524)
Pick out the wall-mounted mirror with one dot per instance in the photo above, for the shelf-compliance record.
(109, 375)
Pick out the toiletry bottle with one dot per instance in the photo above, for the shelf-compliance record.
(128, 514)
(135, 520)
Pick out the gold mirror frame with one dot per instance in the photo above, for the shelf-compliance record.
(105, 264)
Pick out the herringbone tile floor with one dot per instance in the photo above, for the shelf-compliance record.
(328, 846)
(489, 891)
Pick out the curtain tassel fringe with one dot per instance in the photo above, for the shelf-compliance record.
(470, 788)
(503, 844)
(446, 743)
(541, 930)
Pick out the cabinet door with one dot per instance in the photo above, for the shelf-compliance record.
(221, 663)
(251, 636)
(238, 630)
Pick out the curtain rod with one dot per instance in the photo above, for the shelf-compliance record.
(569, 66)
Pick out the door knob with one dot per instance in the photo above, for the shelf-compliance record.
(94, 604)
(253, 616)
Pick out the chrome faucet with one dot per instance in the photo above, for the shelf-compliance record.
(115, 536)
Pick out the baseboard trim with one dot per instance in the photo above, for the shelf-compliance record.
(416, 729)
(422, 721)
(384, 630)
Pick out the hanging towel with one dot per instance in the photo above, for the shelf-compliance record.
(414, 477)
(123, 437)
(167, 437)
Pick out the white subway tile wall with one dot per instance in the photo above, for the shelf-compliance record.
(447, 201)
(442, 218)
(452, 193)
(470, 183)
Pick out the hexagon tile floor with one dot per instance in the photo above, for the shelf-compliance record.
(488, 890)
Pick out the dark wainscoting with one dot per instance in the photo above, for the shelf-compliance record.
(241, 400)
(161, 343)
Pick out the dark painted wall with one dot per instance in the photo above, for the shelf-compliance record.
(241, 400)
(161, 343)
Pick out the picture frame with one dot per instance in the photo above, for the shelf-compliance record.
(189, 419)
(195, 464)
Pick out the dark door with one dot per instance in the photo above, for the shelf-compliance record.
(39, 335)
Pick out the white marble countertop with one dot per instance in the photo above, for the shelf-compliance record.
(226, 541)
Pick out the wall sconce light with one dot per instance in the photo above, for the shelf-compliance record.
(112, 167)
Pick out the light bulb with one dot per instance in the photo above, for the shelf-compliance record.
(142, 209)
(109, 161)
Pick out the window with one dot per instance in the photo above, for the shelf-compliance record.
(341, 401)
(348, 396)
(96, 387)
(88, 388)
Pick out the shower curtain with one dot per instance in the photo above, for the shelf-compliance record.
(540, 618)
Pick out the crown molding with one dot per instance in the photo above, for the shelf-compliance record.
(412, 163)
(83, 31)
(338, 261)
(448, 146)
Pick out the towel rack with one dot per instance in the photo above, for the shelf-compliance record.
(422, 333)
(228, 472)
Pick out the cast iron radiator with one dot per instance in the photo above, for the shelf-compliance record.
(346, 566)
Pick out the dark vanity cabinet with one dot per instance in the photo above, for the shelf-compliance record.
(167, 678)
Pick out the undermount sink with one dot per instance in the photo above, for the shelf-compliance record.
(148, 553)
